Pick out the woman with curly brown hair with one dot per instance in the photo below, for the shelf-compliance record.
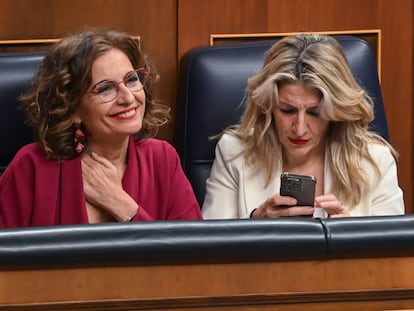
(91, 105)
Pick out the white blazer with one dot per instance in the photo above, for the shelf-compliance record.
(233, 190)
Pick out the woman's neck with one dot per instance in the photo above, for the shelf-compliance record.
(116, 153)
(311, 165)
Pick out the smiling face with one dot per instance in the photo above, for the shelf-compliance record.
(300, 128)
(116, 120)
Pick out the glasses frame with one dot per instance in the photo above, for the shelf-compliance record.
(95, 90)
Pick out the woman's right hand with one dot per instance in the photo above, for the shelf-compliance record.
(103, 189)
(281, 206)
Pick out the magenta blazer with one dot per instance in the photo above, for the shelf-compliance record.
(36, 191)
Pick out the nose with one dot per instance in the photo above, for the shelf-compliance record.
(299, 124)
(124, 94)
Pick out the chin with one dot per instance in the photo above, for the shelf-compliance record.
(135, 130)
(300, 151)
(135, 126)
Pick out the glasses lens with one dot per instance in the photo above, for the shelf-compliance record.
(133, 82)
(106, 91)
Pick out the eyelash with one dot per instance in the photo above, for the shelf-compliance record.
(289, 111)
(286, 110)
(104, 87)
(313, 113)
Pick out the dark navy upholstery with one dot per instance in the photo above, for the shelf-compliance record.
(16, 71)
(211, 90)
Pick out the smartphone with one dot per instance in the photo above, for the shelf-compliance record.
(301, 187)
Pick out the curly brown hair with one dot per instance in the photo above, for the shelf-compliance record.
(64, 77)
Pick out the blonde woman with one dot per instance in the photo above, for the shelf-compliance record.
(305, 114)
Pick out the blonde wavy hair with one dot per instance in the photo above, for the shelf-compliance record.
(64, 76)
(317, 61)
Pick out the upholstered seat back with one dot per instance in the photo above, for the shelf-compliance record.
(211, 90)
(16, 71)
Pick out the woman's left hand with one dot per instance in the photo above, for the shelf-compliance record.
(332, 206)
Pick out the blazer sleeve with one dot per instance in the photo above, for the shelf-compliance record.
(387, 196)
(183, 203)
(221, 200)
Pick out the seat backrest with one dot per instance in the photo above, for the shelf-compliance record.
(211, 91)
(16, 71)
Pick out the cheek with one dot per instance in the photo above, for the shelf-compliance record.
(283, 123)
(91, 114)
(140, 97)
(319, 127)
(282, 129)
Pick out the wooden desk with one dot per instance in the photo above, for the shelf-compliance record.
(340, 284)
(281, 264)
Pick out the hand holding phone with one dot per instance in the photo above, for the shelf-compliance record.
(301, 187)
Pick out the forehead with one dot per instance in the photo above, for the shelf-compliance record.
(113, 64)
(298, 93)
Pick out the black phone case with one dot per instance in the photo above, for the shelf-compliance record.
(301, 187)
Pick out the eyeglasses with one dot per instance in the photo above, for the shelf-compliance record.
(108, 90)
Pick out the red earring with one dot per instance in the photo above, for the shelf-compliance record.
(79, 138)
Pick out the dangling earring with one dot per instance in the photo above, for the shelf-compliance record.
(79, 138)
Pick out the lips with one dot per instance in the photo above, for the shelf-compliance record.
(125, 115)
(296, 141)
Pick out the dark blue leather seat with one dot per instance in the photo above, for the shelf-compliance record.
(229, 240)
(211, 90)
(16, 71)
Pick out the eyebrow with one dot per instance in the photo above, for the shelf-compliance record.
(103, 81)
